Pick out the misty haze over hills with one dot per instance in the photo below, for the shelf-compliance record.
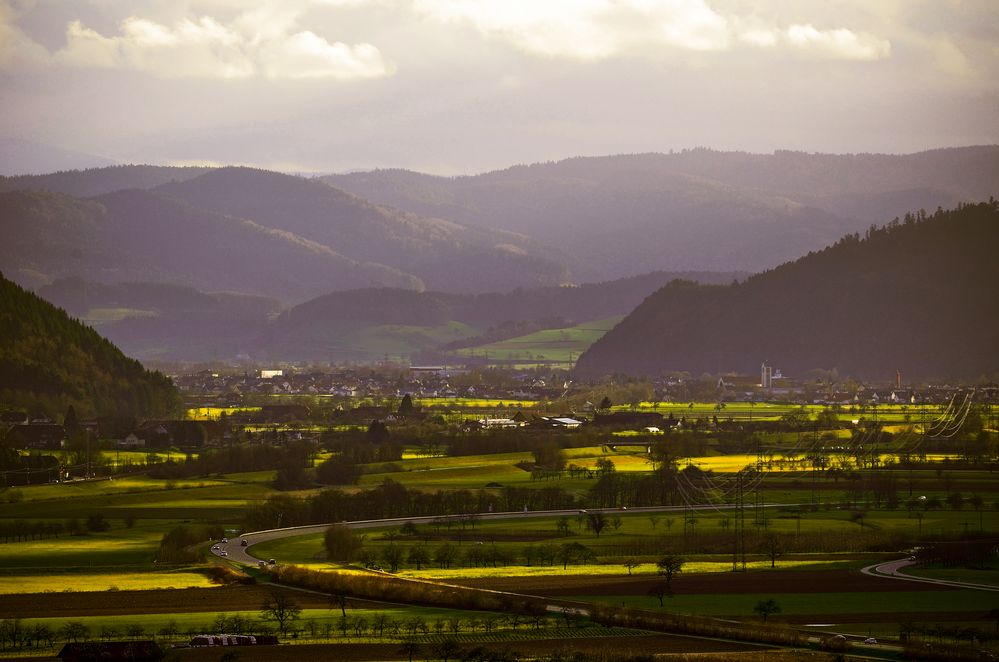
(163, 321)
(578, 220)
(195, 263)
(616, 216)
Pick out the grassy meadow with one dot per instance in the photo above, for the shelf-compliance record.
(561, 346)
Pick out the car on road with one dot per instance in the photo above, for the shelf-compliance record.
(215, 548)
(262, 564)
(272, 562)
(870, 640)
(225, 540)
(243, 543)
(223, 553)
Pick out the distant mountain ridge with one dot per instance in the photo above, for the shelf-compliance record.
(430, 249)
(248, 231)
(98, 181)
(614, 216)
(914, 296)
(137, 235)
(590, 219)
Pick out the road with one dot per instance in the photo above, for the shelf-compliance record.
(893, 570)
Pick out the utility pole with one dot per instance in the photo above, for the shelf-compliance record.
(739, 530)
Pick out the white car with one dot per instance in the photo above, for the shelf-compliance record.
(223, 553)
(870, 640)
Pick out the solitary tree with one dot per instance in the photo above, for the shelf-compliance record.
(596, 522)
(766, 608)
(341, 543)
(660, 590)
(446, 649)
(670, 565)
(281, 609)
(410, 648)
(338, 600)
(773, 547)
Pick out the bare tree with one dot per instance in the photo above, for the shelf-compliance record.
(281, 609)
(446, 649)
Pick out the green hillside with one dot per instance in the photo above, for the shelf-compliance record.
(49, 361)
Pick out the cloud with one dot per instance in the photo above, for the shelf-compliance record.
(16, 48)
(838, 43)
(262, 43)
(598, 29)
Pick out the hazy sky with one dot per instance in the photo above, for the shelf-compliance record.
(461, 86)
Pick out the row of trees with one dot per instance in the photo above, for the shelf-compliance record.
(392, 499)
(343, 545)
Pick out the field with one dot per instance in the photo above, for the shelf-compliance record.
(98, 316)
(826, 530)
(561, 346)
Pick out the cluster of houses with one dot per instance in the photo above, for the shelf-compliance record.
(420, 381)
(47, 435)
(775, 387)
(651, 421)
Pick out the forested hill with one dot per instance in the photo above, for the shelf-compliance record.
(98, 181)
(49, 361)
(915, 295)
(580, 303)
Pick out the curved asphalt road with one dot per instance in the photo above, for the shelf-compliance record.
(893, 570)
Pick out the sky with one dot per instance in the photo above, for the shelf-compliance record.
(465, 86)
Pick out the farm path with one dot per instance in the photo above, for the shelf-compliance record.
(893, 570)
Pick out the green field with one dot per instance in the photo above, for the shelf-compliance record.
(550, 345)
(98, 316)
